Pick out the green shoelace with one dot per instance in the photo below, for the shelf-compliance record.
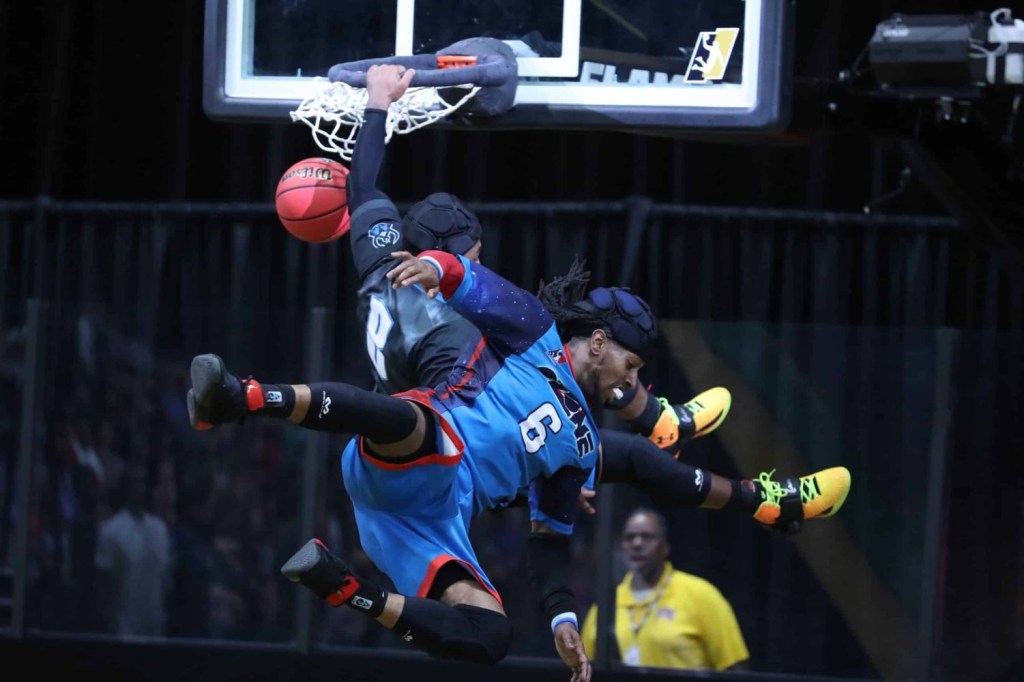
(772, 492)
(666, 405)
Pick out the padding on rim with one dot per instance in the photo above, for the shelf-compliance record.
(484, 88)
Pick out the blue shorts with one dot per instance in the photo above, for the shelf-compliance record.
(414, 517)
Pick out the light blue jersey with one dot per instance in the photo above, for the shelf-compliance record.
(511, 419)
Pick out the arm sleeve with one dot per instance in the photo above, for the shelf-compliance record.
(367, 160)
(511, 318)
(547, 568)
(722, 636)
(375, 224)
(553, 502)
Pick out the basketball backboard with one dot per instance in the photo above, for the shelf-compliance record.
(620, 64)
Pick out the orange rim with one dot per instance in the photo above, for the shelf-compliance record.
(453, 61)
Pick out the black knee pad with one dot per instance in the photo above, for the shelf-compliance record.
(491, 634)
(463, 633)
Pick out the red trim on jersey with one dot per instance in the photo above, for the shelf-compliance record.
(452, 271)
(420, 397)
(469, 369)
(572, 369)
(435, 566)
(568, 357)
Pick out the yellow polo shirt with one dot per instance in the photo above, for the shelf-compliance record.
(691, 625)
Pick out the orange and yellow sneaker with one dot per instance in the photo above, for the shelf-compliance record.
(791, 500)
(697, 417)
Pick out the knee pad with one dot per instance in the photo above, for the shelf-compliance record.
(463, 633)
(491, 634)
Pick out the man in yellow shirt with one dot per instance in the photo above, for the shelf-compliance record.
(665, 618)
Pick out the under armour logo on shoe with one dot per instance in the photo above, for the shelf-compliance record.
(325, 405)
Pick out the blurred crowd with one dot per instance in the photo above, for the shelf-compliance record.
(140, 526)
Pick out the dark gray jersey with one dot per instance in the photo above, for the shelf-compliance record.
(412, 341)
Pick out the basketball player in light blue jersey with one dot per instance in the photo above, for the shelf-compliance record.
(514, 416)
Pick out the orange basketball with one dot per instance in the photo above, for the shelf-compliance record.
(311, 201)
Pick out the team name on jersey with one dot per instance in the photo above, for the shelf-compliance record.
(574, 410)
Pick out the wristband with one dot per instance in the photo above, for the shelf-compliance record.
(437, 266)
(567, 617)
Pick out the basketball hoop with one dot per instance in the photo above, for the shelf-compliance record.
(477, 75)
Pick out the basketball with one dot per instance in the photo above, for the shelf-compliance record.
(311, 201)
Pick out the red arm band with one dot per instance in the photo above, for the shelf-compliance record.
(449, 267)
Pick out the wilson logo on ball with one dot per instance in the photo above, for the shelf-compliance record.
(311, 200)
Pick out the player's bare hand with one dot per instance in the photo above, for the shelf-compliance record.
(413, 270)
(386, 83)
(587, 494)
(570, 649)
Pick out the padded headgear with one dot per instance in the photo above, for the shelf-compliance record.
(624, 316)
(442, 222)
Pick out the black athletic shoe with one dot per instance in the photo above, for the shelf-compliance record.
(217, 396)
(324, 574)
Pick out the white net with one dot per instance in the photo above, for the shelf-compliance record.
(335, 113)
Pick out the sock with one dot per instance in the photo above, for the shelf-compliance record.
(746, 496)
(270, 400)
(645, 422)
(364, 596)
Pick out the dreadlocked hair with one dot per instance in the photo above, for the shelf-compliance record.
(560, 294)
(625, 317)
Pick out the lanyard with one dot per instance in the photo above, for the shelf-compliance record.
(662, 586)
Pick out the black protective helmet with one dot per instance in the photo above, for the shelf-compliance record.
(442, 222)
(623, 315)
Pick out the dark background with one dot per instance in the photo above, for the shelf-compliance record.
(102, 100)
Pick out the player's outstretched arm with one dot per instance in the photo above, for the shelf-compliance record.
(511, 318)
(553, 512)
(547, 561)
(385, 85)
